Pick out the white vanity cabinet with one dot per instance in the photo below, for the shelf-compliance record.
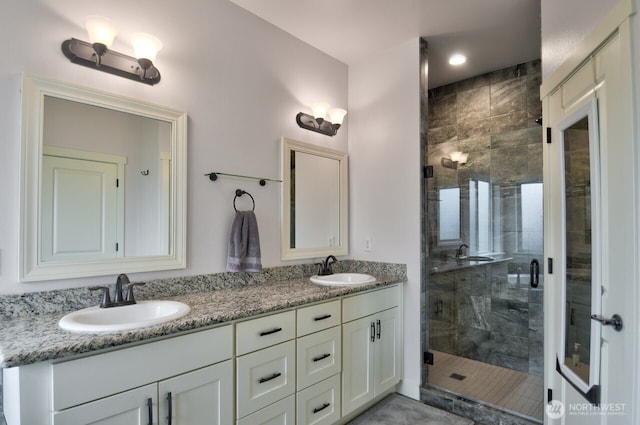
(130, 385)
(372, 346)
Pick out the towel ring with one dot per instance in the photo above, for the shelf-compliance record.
(240, 192)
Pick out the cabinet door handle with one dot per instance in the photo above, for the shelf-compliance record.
(379, 329)
(269, 378)
(272, 331)
(170, 405)
(319, 318)
(320, 409)
(373, 332)
(150, 407)
(321, 357)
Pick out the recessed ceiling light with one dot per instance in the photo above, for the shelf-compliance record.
(457, 59)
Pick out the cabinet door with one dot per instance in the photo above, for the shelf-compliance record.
(357, 363)
(201, 397)
(387, 355)
(134, 407)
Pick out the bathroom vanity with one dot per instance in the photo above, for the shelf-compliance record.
(275, 352)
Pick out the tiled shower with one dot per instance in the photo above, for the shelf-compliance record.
(487, 203)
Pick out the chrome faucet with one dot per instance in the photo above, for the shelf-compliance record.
(118, 298)
(459, 250)
(324, 268)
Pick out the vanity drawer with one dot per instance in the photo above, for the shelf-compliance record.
(320, 403)
(93, 377)
(319, 356)
(264, 332)
(318, 317)
(282, 412)
(372, 302)
(264, 377)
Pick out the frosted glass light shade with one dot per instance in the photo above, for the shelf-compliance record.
(336, 115)
(100, 30)
(146, 46)
(319, 109)
(455, 156)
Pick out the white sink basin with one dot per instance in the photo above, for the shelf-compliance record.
(343, 279)
(135, 316)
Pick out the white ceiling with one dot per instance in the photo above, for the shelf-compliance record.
(493, 34)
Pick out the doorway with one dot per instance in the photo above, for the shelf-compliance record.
(483, 312)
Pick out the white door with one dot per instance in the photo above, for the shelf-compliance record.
(79, 209)
(201, 397)
(591, 241)
(135, 407)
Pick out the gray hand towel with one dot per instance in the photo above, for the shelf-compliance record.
(244, 244)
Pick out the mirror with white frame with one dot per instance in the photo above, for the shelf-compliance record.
(314, 201)
(103, 188)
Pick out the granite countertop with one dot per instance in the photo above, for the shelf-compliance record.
(443, 266)
(33, 338)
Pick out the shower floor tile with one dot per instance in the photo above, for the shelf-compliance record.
(509, 389)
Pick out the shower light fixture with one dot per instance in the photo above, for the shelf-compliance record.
(97, 53)
(455, 158)
(318, 121)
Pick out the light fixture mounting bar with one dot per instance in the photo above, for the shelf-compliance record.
(309, 122)
(83, 53)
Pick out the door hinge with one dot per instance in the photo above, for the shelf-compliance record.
(427, 358)
(427, 171)
(117, 182)
(549, 135)
(117, 246)
(550, 265)
(549, 395)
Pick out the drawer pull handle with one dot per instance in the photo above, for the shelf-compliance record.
(170, 404)
(319, 318)
(272, 331)
(150, 407)
(321, 357)
(320, 409)
(269, 378)
(373, 332)
(379, 329)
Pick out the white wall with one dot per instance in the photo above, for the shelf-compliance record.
(240, 79)
(565, 24)
(384, 149)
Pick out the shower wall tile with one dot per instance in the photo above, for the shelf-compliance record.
(509, 317)
(474, 105)
(471, 129)
(508, 96)
(442, 111)
(509, 122)
(442, 134)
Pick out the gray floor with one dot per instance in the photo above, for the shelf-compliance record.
(400, 410)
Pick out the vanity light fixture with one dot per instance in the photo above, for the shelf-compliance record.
(455, 158)
(318, 122)
(97, 53)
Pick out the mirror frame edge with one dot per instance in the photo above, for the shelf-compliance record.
(34, 88)
(286, 252)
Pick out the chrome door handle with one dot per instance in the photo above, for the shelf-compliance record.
(615, 321)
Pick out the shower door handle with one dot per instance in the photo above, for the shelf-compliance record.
(534, 273)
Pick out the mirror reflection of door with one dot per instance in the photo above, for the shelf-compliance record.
(578, 349)
(81, 209)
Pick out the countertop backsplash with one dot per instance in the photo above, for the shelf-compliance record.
(65, 300)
